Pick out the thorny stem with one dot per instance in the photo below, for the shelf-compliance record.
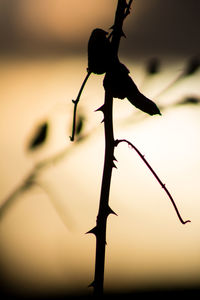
(76, 104)
(104, 209)
(123, 10)
(155, 175)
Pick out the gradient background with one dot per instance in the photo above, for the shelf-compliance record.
(43, 248)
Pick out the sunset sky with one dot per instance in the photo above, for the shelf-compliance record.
(64, 25)
(43, 61)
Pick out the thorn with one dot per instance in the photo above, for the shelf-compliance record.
(102, 120)
(113, 165)
(110, 211)
(74, 101)
(92, 284)
(93, 231)
(114, 159)
(123, 34)
(101, 108)
(116, 142)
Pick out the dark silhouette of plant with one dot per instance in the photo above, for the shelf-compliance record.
(189, 100)
(99, 52)
(33, 176)
(103, 58)
(117, 84)
(39, 137)
(153, 66)
(192, 66)
(121, 85)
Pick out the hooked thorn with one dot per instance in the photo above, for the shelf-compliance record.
(123, 34)
(91, 284)
(113, 165)
(101, 108)
(110, 211)
(93, 231)
(114, 158)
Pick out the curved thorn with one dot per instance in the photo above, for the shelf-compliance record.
(93, 231)
(110, 211)
(114, 159)
(113, 165)
(101, 108)
(92, 284)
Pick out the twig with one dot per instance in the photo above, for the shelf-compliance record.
(104, 210)
(75, 106)
(191, 68)
(128, 8)
(31, 178)
(155, 175)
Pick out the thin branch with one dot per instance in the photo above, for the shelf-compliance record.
(107, 108)
(76, 104)
(128, 8)
(31, 177)
(192, 67)
(155, 175)
(123, 10)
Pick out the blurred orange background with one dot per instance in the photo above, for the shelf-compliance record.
(43, 62)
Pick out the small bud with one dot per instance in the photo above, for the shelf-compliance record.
(99, 52)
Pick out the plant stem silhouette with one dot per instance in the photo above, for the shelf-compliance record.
(32, 177)
(190, 69)
(123, 9)
(76, 104)
(155, 175)
(117, 84)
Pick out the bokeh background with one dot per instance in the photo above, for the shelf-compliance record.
(49, 194)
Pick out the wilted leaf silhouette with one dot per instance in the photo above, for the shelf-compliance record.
(192, 67)
(99, 52)
(153, 66)
(121, 85)
(189, 100)
(39, 136)
(80, 125)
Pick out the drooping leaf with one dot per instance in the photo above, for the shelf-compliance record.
(153, 66)
(118, 82)
(39, 136)
(189, 100)
(192, 66)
